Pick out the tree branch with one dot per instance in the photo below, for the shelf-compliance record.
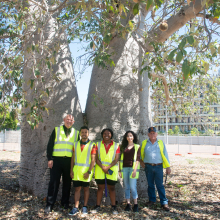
(175, 22)
(209, 17)
(166, 88)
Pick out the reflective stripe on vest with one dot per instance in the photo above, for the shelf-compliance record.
(61, 147)
(65, 142)
(113, 157)
(82, 161)
(161, 146)
(87, 164)
(136, 147)
(106, 159)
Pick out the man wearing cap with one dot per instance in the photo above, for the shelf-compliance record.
(59, 154)
(154, 158)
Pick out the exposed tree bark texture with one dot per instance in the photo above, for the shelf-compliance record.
(126, 94)
(125, 98)
(63, 99)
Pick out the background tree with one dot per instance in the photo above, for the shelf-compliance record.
(8, 118)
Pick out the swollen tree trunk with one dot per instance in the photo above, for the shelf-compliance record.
(63, 99)
(125, 96)
(121, 96)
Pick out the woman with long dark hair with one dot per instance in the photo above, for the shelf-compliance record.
(130, 166)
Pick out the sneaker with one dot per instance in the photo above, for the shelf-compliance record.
(128, 207)
(114, 210)
(135, 208)
(84, 210)
(65, 206)
(96, 209)
(48, 209)
(166, 207)
(74, 211)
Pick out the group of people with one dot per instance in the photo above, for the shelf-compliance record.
(71, 154)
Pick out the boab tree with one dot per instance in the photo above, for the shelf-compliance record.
(124, 39)
(37, 72)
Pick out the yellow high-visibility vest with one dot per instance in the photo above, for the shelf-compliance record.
(106, 159)
(161, 146)
(63, 146)
(136, 147)
(82, 161)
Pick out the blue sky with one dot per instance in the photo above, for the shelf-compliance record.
(82, 81)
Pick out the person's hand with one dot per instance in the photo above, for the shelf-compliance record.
(120, 174)
(86, 175)
(105, 169)
(50, 164)
(134, 174)
(142, 163)
(168, 170)
(71, 174)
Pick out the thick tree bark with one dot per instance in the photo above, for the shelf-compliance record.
(125, 97)
(126, 94)
(63, 99)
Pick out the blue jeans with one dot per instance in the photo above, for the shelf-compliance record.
(129, 183)
(154, 174)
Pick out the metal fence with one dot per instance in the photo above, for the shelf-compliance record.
(10, 140)
(192, 144)
(190, 140)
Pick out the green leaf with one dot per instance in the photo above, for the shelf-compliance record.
(32, 83)
(193, 68)
(131, 24)
(33, 47)
(185, 69)
(1, 67)
(136, 9)
(48, 64)
(149, 3)
(206, 66)
(91, 44)
(182, 44)
(171, 55)
(37, 72)
(179, 56)
(190, 39)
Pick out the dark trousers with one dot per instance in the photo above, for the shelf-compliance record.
(61, 166)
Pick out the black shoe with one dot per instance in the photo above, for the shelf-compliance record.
(48, 209)
(128, 207)
(96, 209)
(65, 206)
(135, 208)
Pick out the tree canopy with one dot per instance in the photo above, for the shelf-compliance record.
(179, 39)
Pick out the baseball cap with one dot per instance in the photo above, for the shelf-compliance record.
(152, 129)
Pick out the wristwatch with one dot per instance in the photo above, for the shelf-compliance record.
(89, 172)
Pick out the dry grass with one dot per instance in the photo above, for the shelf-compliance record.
(193, 191)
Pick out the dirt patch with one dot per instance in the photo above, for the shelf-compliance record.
(193, 190)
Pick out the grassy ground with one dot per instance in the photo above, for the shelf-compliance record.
(193, 190)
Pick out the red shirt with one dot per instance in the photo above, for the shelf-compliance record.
(108, 147)
(83, 145)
